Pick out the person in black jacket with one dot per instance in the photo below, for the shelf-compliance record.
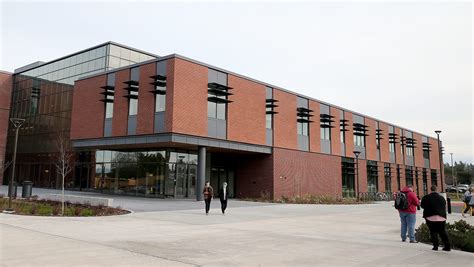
(434, 212)
(223, 195)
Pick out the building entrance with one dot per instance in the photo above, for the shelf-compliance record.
(221, 175)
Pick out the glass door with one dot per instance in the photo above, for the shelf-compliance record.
(181, 181)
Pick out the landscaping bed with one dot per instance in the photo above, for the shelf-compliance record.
(309, 199)
(461, 235)
(36, 207)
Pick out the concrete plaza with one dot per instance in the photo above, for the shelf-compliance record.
(251, 234)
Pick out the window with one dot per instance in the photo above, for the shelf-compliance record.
(387, 170)
(342, 126)
(217, 96)
(109, 95)
(391, 147)
(409, 175)
(372, 176)
(348, 177)
(434, 177)
(270, 105)
(325, 133)
(359, 130)
(160, 86)
(269, 121)
(133, 86)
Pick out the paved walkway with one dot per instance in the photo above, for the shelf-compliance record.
(253, 235)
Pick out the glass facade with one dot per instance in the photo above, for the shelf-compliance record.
(158, 173)
(372, 176)
(388, 177)
(348, 177)
(43, 97)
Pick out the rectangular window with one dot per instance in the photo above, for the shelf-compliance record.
(348, 177)
(388, 177)
(409, 175)
(372, 176)
(217, 97)
(109, 95)
(359, 130)
(434, 177)
(160, 86)
(268, 121)
(133, 87)
(269, 107)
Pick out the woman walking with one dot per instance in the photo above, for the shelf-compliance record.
(208, 193)
(467, 199)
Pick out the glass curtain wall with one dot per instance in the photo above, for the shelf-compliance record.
(43, 97)
(162, 173)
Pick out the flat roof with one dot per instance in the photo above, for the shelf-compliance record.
(38, 64)
(247, 78)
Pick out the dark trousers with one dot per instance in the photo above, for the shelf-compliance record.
(208, 204)
(438, 228)
(467, 207)
(223, 205)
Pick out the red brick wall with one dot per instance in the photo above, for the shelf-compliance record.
(384, 144)
(300, 173)
(246, 114)
(254, 176)
(87, 110)
(146, 100)
(335, 132)
(284, 132)
(314, 128)
(370, 145)
(434, 154)
(120, 119)
(6, 84)
(189, 98)
(169, 94)
(419, 161)
(362, 175)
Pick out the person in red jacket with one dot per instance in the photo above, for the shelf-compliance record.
(408, 216)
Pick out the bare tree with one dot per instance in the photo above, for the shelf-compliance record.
(63, 162)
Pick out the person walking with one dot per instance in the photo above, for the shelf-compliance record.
(467, 199)
(434, 212)
(407, 213)
(208, 193)
(223, 194)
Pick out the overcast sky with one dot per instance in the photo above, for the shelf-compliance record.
(409, 63)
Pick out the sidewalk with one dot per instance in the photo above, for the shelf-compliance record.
(258, 235)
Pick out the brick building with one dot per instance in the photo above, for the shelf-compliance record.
(164, 126)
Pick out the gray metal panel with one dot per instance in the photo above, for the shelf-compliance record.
(159, 126)
(211, 127)
(222, 78)
(378, 154)
(343, 149)
(135, 74)
(358, 119)
(221, 129)
(193, 141)
(301, 102)
(108, 127)
(178, 139)
(326, 146)
(152, 139)
(324, 109)
(212, 76)
(269, 137)
(409, 160)
(132, 125)
(141, 140)
(268, 92)
(161, 67)
(427, 163)
(361, 149)
(303, 143)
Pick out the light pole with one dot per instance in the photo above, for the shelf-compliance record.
(356, 154)
(452, 175)
(17, 123)
(440, 161)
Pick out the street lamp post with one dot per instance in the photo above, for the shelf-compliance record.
(17, 123)
(356, 154)
(440, 161)
(452, 175)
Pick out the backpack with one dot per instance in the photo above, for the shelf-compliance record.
(401, 201)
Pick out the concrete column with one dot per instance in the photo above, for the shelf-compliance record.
(201, 172)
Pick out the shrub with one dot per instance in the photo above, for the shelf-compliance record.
(69, 211)
(44, 209)
(25, 209)
(460, 233)
(87, 212)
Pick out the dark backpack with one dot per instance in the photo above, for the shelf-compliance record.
(401, 201)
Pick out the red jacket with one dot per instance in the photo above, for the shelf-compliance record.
(413, 200)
